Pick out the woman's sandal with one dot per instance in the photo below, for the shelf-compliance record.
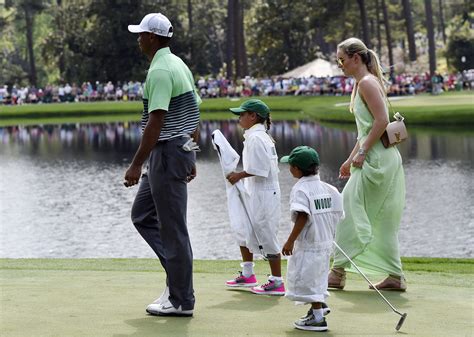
(393, 283)
(337, 278)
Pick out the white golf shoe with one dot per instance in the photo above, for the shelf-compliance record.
(167, 309)
(152, 308)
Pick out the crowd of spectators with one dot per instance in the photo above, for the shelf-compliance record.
(87, 92)
(401, 84)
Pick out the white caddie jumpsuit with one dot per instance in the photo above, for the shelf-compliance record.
(259, 157)
(308, 267)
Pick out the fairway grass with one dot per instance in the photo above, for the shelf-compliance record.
(446, 100)
(107, 297)
(454, 108)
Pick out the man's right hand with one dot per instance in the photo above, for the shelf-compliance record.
(192, 175)
(132, 176)
(148, 141)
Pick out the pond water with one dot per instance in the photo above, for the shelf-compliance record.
(61, 192)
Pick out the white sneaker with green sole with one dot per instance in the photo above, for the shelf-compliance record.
(309, 323)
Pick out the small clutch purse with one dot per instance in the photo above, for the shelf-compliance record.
(396, 132)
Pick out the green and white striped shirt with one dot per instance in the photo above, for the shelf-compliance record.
(170, 86)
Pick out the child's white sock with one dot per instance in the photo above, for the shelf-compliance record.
(276, 279)
(318, 314)
(247, 268)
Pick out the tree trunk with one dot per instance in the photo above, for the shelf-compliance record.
(388, 36)
(220, 53)
(410, 33)
(29, 43)
(372, 27)
(237, 36)
(379, 36)
(364, 23)
(319, 39)
(441, 20)
(242, 50)
(61, 46)
(431, 40)
(191, 29)
(230, 39)
(238, 39)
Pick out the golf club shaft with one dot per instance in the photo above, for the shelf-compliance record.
(373, 286)
(242, 201)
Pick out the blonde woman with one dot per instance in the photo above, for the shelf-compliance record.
(374, 196)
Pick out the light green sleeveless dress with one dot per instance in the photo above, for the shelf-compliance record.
(374, 198)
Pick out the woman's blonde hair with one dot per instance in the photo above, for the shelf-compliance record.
(354, 46)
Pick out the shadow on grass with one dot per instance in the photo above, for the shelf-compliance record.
(244, 300)
(368, 301)
(296, 332)
(158, 325)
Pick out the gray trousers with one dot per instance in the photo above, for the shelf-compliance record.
(159, 214)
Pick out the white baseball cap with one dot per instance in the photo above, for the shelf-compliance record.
(155, 23)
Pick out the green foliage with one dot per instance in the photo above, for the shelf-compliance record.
(66, 42)
(338, 19)
(13, 67)
(13, 63)
(11, 74)
(88, 40)
(281, 36)
(461, 45)
(110, 47)
(205, 42)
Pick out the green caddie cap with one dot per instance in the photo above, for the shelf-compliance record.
(252, 105)
(302, 157)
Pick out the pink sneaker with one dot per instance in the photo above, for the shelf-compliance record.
(242, 281)
(270, 288)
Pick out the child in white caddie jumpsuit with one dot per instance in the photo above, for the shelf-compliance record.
(316, 208)
(260, 177)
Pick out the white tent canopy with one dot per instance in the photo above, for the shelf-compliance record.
(316, 68)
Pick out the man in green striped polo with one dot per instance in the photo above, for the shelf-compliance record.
(169, 123)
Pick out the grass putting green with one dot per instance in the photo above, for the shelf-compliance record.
(107, 297)
(453, 108)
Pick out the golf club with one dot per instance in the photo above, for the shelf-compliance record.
(403, 316)
(260, 247)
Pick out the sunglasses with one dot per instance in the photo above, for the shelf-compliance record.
(340, 61)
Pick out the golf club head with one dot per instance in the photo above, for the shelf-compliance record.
(401, 321)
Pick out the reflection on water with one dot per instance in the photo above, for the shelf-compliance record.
(61, 192)
(98, 142)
